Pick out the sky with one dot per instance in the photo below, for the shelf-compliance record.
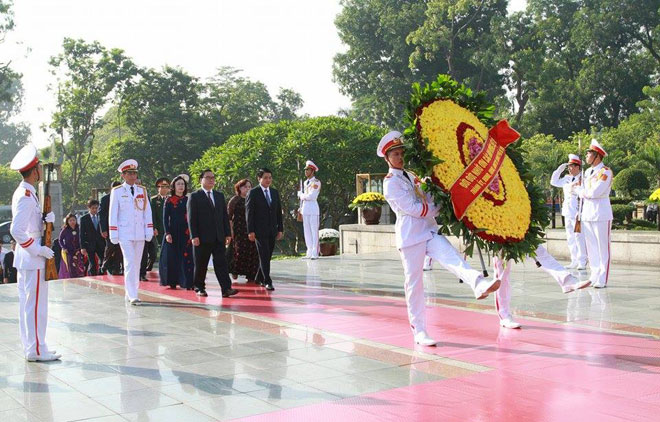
(283, 43)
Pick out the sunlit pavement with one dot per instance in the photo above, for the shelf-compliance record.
(332, 342)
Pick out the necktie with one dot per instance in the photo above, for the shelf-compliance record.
(132, 191)
(210, 199)
(406, 176)
(95, 222)
(268, 196)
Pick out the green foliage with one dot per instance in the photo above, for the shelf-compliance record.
(568, 65)
(622, 212)
(12, 135)
(88, 76)
(422, 163)
(639, 224)
(9, 180)
(631, 183)
(341, 147)
(393, 43)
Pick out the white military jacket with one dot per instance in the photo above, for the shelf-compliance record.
(414, 208)
(569, 207)
(596, 193)
(27, 228)
(130, 215)
(311, 190)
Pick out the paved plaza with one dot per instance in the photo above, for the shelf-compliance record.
(332, 342)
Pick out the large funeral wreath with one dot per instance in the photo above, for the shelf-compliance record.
(447, 126)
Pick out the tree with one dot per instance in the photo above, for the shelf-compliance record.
(336, 144)
(12, 135)
(392, 44)
(9, 180)
(631, 183)
(459, 32)
(88, 75)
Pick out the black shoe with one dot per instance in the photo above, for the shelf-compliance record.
(202, 293)
(270, 287)
(143, 278)
(229, 292)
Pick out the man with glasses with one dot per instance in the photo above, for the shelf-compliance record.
(130, 225)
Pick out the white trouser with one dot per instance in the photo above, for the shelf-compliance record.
(597, 237)
(311, 226)
(412, 257)
(548, 263)
(132, 251)
(33, 311)
(576, 244)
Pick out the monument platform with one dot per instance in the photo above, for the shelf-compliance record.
(332, 342)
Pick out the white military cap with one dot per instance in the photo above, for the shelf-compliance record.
(309, 164)
(390, 141)
(25, 159)
(595, 146)
(128, 165)
(184, 177)
(574, 159)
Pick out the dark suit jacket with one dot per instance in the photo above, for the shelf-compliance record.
(262, 219)
(207, 222)
(90, 238)
(104, 212)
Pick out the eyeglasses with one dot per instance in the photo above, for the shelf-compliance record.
(209, 177)
(163, 186)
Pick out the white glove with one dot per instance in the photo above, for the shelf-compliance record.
(300, 194)
(46, 252)
(50, 217)
(562, 167)
(114, 241)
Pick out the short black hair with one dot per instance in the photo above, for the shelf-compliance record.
(28, 172)
(162, 179)
(92, 202)
(115, 184)
(262, 171)
(201, 175)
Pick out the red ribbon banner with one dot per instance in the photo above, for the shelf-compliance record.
(483, 169)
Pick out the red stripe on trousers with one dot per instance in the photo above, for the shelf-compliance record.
(609, 257)
(36, 315)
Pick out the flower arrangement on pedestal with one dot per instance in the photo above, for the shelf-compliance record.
(370, 203)
(479, 179)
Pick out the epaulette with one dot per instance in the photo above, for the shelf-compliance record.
(154, 197)
(606, 168)
(389, 175)
(27, 192)
(117, 187)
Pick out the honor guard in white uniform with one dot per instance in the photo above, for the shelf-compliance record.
(130, 225)
(417, 236)
(567, 281)
(569, 209)
(596, 215)
(309, 209)
(30, 257)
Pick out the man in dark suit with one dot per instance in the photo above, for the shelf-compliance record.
(91, 240)
(210, 234)
(112, 257)
(8, 270)
(263, 212)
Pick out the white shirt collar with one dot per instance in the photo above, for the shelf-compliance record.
(26, 185)
(264, 189)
